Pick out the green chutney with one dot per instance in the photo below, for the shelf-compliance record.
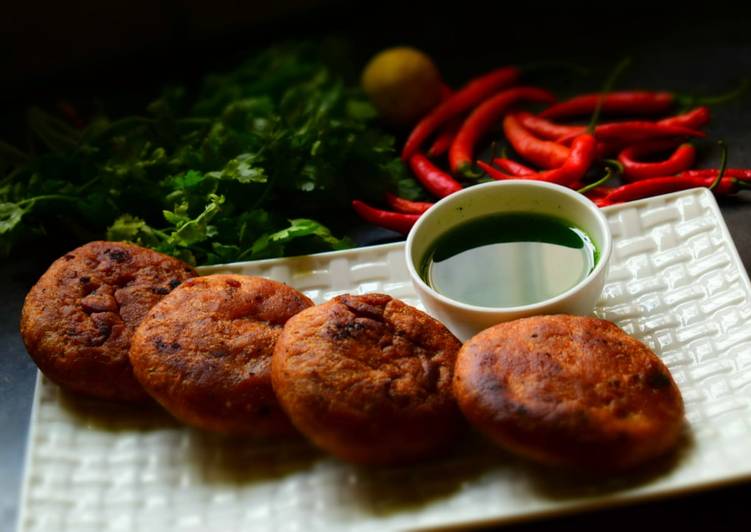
(508, 260)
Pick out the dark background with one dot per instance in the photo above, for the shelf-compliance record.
(119, 54)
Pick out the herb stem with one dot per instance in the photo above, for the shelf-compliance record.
(47, 197)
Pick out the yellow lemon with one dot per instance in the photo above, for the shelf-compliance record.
(403, 84)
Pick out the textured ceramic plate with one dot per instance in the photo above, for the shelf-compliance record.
(676, 282)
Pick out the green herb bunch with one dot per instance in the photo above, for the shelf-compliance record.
(246, 168)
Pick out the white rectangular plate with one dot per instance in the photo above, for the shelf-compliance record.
(675, 282)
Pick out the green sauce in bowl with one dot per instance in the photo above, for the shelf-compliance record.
(508, 260)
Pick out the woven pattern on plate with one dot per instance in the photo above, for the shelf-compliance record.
(675, 282)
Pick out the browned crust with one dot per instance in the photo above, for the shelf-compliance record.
(571, 391)
(78, 319)
(204, 352)
(368, 378)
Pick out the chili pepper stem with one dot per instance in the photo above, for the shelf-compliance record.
(493, 147)
(686, 101)
(469, 172)
(614, 163)
(602, 180)
(606, 88)
(723, 164)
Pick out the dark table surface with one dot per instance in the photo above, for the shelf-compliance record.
(687, 51)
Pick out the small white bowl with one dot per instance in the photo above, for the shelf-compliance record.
(500, 197)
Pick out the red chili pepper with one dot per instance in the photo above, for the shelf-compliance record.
(637, 131)
(607, 149)
(693, 119)
(445, 137)
(681, 159)
(626, 102)
(738, 173)
(513, 167)
(446, 134)
(583, 154)
(663, 185)
(462, 100)
(543, 153)
(446, 92)
(438, 182)
(545, 129)
(461, 154)
(396, 221)
(494, 173)
(407, 206)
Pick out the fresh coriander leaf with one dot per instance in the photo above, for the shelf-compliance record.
(190, 179)
(303, 227)
(410, 189)
(189, 232)
(405, 185)
(126, 227)
(184, 254)
(298, 228)
(131, 229)
(223, 253)
(11, 215)
(361, 110)
(179, 216)
(244, 169)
